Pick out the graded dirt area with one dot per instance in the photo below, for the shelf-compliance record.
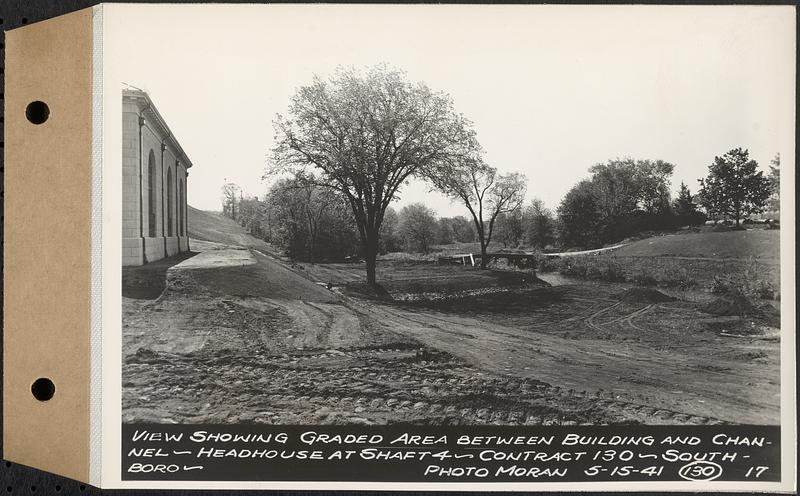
(277, 342)
(214, 348)
(664, 355)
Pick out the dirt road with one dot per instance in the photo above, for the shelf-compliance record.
(263, 342)
(667, 354)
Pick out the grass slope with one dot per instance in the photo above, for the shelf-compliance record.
(215, 227)
(761, 244)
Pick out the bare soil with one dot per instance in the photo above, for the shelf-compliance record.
(150, 280)
(665, 355)
(269, 342)
(201, 354)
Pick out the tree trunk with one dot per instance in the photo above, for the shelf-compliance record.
(738, 212)
(484, 260)
(370, 255)
(313, 243)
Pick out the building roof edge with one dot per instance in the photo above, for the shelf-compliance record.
(145, 104)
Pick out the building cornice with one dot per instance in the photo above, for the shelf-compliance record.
(149, 111)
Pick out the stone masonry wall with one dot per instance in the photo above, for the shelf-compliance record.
(138, 246)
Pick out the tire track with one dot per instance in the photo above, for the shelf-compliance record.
(631, 315)
(590, 320)
(414, 392)
(643, 311)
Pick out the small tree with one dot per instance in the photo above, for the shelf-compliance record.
(316, 201)
(230, 199)
(250, 210)
(509, 228)
(775, 183)
(417, 227)
(456, 230)
(484, 192)
(623, 186)
(685, 208)
(306, 220)
(539, 224)
(445, 234)
(287, 209)
(622, 197)
(579, 217)
(463, 229)
(734, 187)
(390, 232)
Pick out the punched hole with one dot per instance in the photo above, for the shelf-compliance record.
(43, 389)
(37, 112)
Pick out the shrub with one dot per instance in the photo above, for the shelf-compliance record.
(683, 281)
(644, 279)
(605, 270)
(765, 290)
(575, 267)
(753, 282)
(613, 272)
(548, 264)
(734, 303)
(719, 286)
(594, 271)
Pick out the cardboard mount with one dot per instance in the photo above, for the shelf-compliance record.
(47, 232)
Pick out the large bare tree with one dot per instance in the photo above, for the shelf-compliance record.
(484, 192)
(366, 133)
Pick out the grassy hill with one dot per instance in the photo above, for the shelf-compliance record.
(760, 243)
(757, 243)
(215, 227)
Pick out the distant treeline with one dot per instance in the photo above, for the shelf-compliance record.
(620, 199)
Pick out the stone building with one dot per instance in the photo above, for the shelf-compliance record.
(154, 173)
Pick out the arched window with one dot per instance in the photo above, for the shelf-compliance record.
(169, 202)
(151, 195)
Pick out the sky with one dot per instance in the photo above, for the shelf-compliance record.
(551, 90)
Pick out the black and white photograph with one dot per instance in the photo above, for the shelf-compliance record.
(401, 247)
(454, 215)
